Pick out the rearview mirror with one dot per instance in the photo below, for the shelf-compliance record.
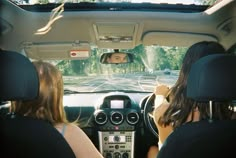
(116, 58)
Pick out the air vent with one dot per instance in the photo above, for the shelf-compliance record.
(100, 117)
(116, 118)
(132, 118)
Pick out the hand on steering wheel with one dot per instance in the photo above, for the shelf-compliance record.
(150, 105)
(162, 90)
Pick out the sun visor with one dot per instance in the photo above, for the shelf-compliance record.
(57, 51)
(175, 38)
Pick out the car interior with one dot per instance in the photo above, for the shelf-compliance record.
(208, 138)
(20, 136)
(112, 54)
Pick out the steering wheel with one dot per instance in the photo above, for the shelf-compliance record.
(147, 115)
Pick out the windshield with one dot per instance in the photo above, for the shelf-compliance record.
(152, 65)
(196, 2)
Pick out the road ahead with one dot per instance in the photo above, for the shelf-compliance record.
(136, 82)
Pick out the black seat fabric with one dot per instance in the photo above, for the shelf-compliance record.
(202, 139)
(19, 79)
(212, 78)
(20, 136)
(24, 137)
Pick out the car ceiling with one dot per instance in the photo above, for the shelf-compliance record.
(19, 27)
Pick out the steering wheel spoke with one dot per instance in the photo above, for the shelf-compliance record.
(147, 115)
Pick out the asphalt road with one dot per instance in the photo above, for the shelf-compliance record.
(144, 82)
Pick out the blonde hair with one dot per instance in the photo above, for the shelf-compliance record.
(49, 103)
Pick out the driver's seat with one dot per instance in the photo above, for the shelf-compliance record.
(212, 78)
(21, 136)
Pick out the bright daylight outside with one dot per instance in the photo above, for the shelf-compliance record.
(152, 65)
(197, 2)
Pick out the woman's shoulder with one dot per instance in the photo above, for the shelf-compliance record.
(68, 127)
(73, 127)
(80, 142)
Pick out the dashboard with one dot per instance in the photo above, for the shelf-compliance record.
(116, 119)
(117, 112)
(113, 121)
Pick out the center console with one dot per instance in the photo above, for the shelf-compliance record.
(118, 144)
(116, 121)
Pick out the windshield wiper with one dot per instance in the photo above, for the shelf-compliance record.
(67, 91)
(126, 91)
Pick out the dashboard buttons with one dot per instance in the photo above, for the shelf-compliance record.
(116, 138)
(125, 155)
(117, 155)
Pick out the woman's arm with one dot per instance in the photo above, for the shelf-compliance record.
(161, 105)
(80, 143)
(163, 131)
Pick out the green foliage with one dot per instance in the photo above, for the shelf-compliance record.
(146, 58)
(207, 2)
(43, 1)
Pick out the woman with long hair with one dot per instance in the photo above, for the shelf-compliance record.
(48, 106)
(178, 110)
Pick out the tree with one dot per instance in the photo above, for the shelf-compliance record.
(207, 2)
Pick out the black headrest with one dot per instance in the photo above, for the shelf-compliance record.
(18, 77)
(213, 78)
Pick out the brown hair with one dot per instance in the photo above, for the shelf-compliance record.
(180, 106)
(49, 103)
